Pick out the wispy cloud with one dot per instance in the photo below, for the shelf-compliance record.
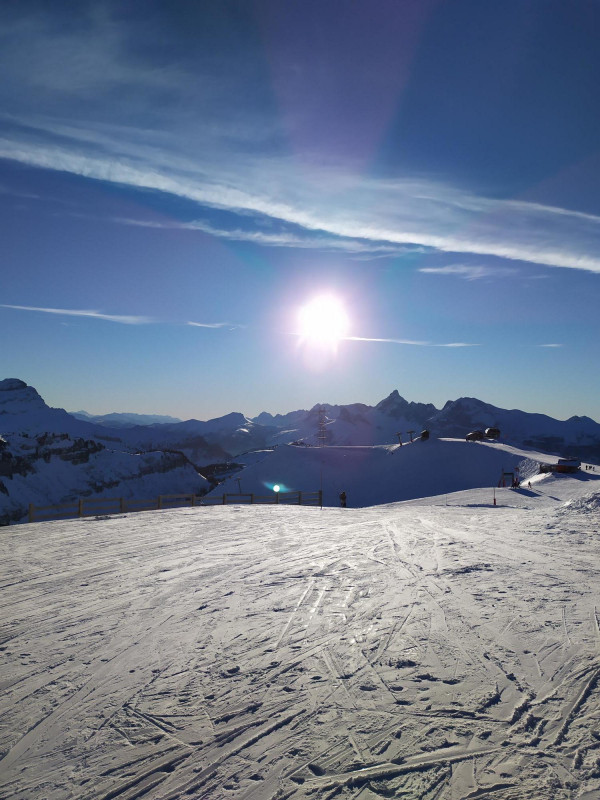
(69, 312)
(550, 345)
(374, 213)
(180, 139)
(213, 325)
(469, 272)
(410, 342)
(283, 238)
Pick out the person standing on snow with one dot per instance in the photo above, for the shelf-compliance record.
(343, 499)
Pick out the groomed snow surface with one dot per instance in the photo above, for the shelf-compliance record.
(439, 648)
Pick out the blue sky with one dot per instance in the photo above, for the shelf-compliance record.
(435, 165)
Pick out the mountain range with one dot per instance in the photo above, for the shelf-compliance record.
(123, 419)
(29, 427)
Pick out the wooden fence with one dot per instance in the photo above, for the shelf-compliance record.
(94, 506)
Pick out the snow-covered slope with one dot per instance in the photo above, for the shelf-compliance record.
(54, 468)
(580, 434)
(385, 474)
(416, 650)
(47, 457)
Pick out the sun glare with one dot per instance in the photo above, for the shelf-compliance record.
(323, 321)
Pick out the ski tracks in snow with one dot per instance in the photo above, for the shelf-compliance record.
(269, 653)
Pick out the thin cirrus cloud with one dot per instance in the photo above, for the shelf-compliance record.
(368, 213)
(468, 272)
(410, 342)
(123, 319)
(228, 325)
(275, 239)
(126, 319)
(224, 154)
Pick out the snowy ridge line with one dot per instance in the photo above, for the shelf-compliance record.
(90, 507)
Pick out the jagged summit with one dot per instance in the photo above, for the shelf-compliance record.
(394, 405)
(392, 400)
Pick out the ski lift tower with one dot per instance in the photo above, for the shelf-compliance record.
(321, 438)
(322, 433)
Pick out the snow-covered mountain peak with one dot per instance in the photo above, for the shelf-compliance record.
(393, 404)
(16, 397)
(12, 384)
(230, 422)
(469, 411)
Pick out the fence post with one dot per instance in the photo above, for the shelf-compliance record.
(224, 499)
(31, 512)
(193, 503)
(80, 508)
(121, 505)
(252, 498)
(159, 504)
(321, 497)
(299, 498)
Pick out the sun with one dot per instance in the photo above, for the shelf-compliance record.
(323, 321)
